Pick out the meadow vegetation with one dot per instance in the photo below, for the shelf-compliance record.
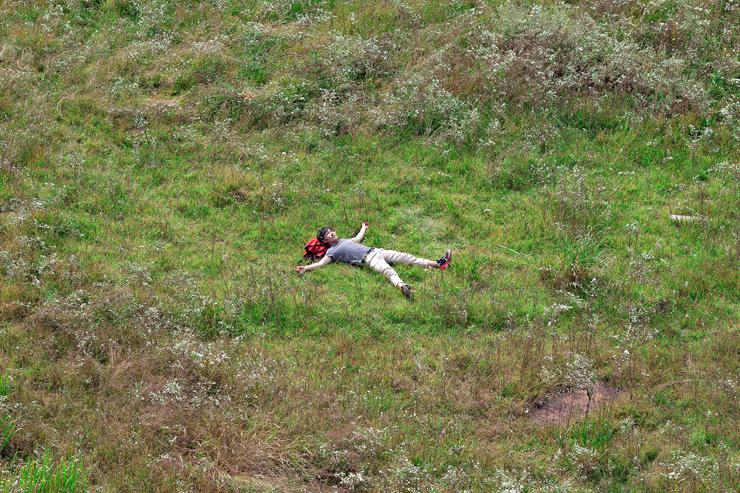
(163, 163)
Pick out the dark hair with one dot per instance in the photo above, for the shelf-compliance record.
(322, 232)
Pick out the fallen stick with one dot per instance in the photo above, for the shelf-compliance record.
(683, 218)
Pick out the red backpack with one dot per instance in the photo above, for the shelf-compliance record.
(315, 250)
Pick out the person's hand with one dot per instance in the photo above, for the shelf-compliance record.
(366, 224)
(300, 269)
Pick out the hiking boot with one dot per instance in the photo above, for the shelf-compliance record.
(445, 261)
(407, 291)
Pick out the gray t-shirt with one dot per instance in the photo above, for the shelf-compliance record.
(347, 251)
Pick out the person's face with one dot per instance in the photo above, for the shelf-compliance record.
(331, 237)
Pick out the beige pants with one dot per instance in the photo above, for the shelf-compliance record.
(379, 259)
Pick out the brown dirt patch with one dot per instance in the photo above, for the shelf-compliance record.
(561, 408)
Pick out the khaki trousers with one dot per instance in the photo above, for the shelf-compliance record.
(379, 260)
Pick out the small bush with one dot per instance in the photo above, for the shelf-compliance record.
(420, 106)
(279, 103)
(346, 61)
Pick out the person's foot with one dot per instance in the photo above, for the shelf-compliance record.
(445, 261)
(407, 291)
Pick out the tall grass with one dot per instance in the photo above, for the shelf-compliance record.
(41, 475)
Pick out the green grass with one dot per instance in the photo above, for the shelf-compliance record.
(162, 165)
(7, 430)
(43, 475)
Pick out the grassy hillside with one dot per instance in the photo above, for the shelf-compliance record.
(163, 163)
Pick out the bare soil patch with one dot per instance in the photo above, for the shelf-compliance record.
(561, 408)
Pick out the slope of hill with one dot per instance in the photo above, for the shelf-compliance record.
(163, 163)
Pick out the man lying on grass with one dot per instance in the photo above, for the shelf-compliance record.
(378, 259)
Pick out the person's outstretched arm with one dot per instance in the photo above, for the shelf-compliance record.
(361, 234)
(303, 268)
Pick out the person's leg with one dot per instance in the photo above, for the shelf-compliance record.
(379, 259)
(394, 257)
(376, 261)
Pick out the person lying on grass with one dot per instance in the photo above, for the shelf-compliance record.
(378, 259)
